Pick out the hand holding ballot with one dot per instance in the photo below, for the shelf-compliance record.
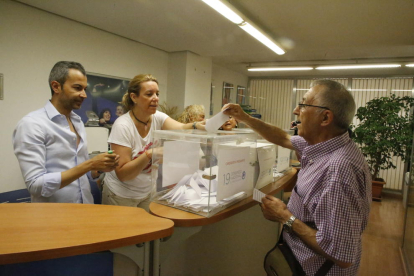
(258, 195)
(214, 123)
(274, 209)
(104, 162)
(235, 111)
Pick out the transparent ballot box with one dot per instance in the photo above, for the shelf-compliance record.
(203, 172)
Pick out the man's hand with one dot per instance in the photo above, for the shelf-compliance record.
(274, 209)
(235, 111)
(105, 162)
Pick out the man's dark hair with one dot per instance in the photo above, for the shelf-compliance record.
(60, 72)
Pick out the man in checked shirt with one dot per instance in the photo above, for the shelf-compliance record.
(329, 206)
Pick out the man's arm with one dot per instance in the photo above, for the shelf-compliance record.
(104, 162)
(275, 210)
(269, 132)
(130, 168)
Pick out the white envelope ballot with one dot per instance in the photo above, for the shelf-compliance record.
(214, 123)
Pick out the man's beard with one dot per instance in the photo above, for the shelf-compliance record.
(72, 103)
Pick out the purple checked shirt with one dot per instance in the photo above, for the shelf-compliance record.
(333, 191)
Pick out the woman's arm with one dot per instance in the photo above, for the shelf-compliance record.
(129, 168)
(170, 124)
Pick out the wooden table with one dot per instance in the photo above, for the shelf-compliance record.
(40, 231)
(186, 219)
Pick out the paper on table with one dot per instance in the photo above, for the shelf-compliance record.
(258, 195)
(214, 123)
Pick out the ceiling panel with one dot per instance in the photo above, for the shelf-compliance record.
(312, 31)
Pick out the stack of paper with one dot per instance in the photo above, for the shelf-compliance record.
(193, 192)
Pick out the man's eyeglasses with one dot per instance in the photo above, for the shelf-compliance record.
(301, 105)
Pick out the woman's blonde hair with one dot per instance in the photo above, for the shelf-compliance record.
(190, 113)
(134, 87)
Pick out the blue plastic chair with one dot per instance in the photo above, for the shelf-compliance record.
(17, 196)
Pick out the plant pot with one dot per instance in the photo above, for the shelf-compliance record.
(377, 186)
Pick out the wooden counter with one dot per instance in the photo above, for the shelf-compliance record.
(186, 219)
(39, 231)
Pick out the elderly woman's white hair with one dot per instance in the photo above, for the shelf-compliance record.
(191, 114)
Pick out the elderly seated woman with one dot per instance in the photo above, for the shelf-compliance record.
(229, 124)
(192, 113)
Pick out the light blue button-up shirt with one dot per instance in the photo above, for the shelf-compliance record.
(45, 147)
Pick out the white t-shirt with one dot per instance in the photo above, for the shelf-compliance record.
(125, 133)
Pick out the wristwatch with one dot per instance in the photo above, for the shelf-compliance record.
(287, 226)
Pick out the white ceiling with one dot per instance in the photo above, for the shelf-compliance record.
(312, 31)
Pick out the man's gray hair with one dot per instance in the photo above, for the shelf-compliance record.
(338, 99)
(60, 72)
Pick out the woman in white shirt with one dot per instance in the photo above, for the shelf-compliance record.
(131, 139)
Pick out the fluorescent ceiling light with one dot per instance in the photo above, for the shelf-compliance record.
(368, 89)
(224, 11)
(261, 37)
(281, 69)
(357, 66)
(410, 65)
(232, 14)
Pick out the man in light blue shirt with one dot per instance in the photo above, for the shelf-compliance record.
(50, 143)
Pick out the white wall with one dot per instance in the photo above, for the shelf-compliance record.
(177, 68)
(220, 75)
(198, 81)
(189, 80)
(31, 42)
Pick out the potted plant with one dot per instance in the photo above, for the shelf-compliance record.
(384, 131)
(169, 110)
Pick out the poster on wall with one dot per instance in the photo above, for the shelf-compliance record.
(103, 104)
